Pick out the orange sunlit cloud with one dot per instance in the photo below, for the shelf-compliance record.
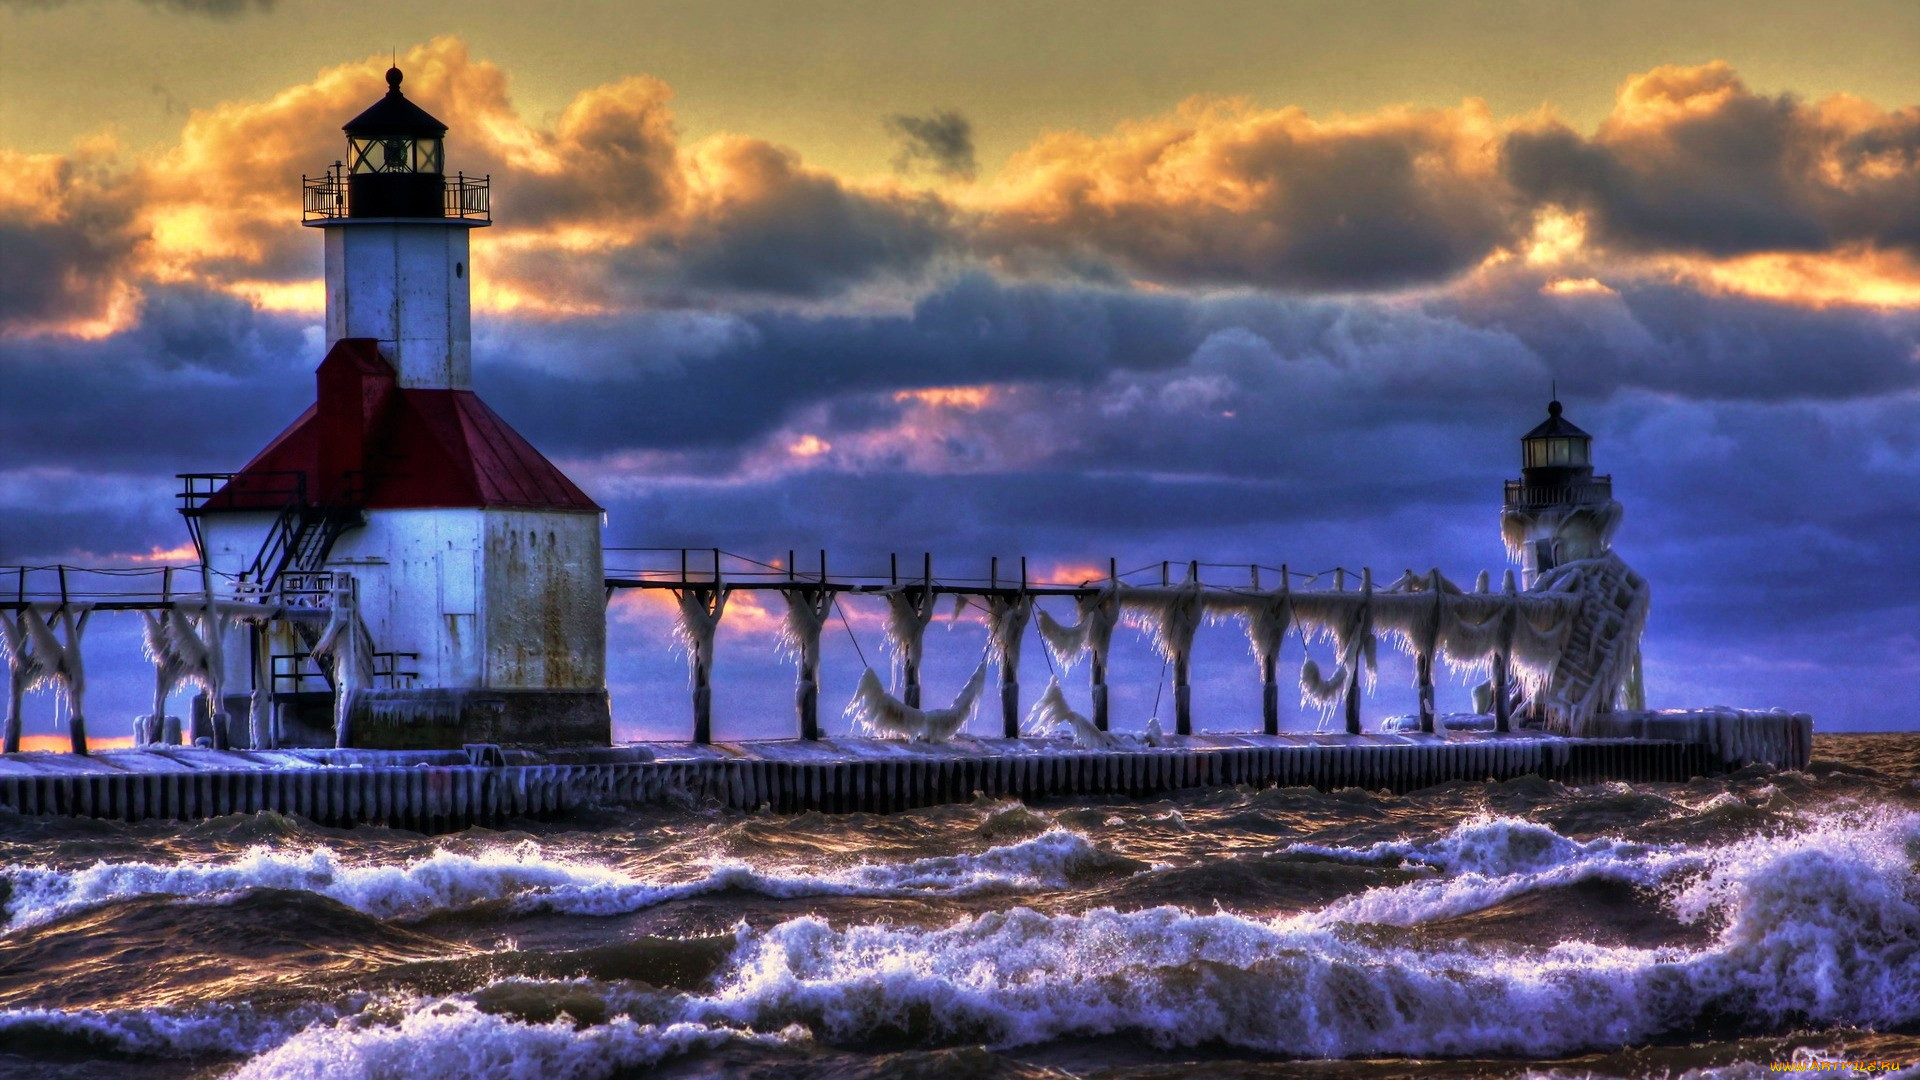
(971, 398)
(1856, 277)
(604, 208)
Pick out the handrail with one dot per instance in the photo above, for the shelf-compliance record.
(1522, 495)
(329, 197)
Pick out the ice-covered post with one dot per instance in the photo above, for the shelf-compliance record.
(1007, 623)
(700, 611)
(1423, 657)
(64, 662)
(1099, 654)
(807, 610)
(1358, 647)
(1267, 628)
(1502, 680)
(1182, 692)
(348, 648)
(922, 609)
(24, 668)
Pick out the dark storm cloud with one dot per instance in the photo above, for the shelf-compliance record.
(1692, 160)
(199, 385)
(941, 141)
(65, 246)
(1665, 337)
(747, 380)
(788, 231)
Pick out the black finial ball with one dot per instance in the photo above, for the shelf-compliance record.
(393, 79)
(1553, 408)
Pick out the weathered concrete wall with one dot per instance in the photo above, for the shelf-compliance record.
(405, 284)
(441, 719)
(419, 573)
(546, 617)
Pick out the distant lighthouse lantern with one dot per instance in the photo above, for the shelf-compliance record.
(1556, 444)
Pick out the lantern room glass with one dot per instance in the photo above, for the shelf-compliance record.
(1558, 450)
(396, 154)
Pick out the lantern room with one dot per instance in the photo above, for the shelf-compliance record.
(395, 158)
(1556, 443)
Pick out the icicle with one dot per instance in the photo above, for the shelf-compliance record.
(799, 635)
(1006, 624)
(1169, 617)
(907, 617)
(883, 714)
(1318, 691)
(346, 642)
(63, 666)
(25, 668)
(1098, 613)
(700, 612)
(1052, 711)
(1267, 622)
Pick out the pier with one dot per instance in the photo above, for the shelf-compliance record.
(437, 791)
(397, 614)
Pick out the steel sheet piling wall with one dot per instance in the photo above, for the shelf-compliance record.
(439, 797)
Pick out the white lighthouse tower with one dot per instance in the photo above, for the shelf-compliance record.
(1558, 513)
(459, 570)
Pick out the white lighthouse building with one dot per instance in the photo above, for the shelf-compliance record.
(464, 566)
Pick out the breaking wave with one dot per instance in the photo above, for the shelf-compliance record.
(1820, 927)
(532, 880)
(1485, 861)
(454, 1038)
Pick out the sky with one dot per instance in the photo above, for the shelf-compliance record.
(1234, 282)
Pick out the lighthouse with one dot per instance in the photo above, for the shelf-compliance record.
(1558, 511)
(437, 581)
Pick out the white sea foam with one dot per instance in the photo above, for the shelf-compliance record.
(1817, 929)
(1484, 861)
(453, 1038)
(201, 1031)
(532, 879)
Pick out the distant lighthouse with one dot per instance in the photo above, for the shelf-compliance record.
(460, 571)
(1558, 511)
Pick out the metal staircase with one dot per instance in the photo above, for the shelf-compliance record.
(1602, 643)
(298, 540)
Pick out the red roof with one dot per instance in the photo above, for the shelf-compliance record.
(389, 447)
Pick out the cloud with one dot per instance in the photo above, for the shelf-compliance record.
(942, 141)
(604, 206)
(1223, 192)
(67, 239)
(1691, 159)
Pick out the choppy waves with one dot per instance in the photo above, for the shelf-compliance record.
(1820, 927)
(530, 879)
(1485, 861)
(1458, 938)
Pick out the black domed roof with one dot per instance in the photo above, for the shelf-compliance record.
(395, 115)
(1555, 426)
